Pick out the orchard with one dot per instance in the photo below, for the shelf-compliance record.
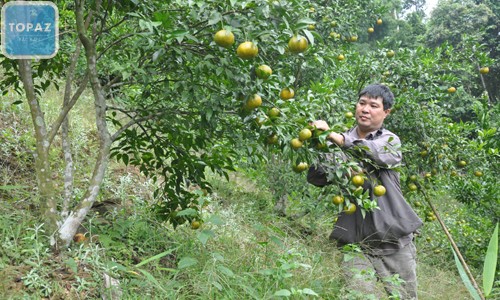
(198, 87)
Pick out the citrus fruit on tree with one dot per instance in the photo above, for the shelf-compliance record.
(371, 30)
(379, 190)
(357, 180)
(300, 167)
(478, 173)
(390, 53)
(305, 134)
(297, 44)
(379, 22)
(349, 115)
(338, 199)
(413, 178)
(247, 50)
(350, 209)
(353, 38)
(413, 187)
(224, 38)
(311, 27)
(484, 70)
(263, 71)
(462, 163)
(451, 90)
(341, 57)
(272, 139)
(273, 113)
(253, 102)
(287, 93)
(296, 143)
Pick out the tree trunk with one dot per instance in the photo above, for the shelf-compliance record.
(76, 217)
(42, 164)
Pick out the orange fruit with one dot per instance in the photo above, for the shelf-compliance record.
(287, 93)
(195, 224)
(305, 134)
(484, 70)
(353, 38)
(451, 90)
(247, 50)
(341, 57)
(253, 102)
(462, 163)
(296, 143)
(413, 187)
(263, 71)
(350, 209)
(79, 238)
(224, 38)
(338, 199)
(349, 115)
(379, 190)
(371, 30)
(357, 180)
(298, 44)
(272, 139)
(478, 173)
(301, 167)
(390, 53)
(273, 113)
(379, 22)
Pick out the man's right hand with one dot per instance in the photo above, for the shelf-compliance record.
(321, 125)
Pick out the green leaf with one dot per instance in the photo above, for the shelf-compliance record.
(12, 187)
(187, 212)
(71, 263)
(465, 278)
(490, 263)
(187, 262)
(217, 285)
(215, 219)
(204, 235)
(225, 271)
(283, 293)
(309, 36)
(157, 256)
(214, 18)
(151, 279)
(309, 292)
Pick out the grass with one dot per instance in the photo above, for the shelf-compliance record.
(241, 252)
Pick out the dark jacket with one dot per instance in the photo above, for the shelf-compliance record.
(389, 228)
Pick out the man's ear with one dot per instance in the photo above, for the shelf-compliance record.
(387, 112)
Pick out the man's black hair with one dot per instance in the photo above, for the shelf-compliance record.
(379, 90)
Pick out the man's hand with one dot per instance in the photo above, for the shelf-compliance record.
(321, 125)
(333, 136)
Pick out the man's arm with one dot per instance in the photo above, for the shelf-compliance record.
(383, 150)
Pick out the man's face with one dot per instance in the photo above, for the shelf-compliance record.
(370, 113)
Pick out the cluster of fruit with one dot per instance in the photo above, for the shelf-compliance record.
(349, 207)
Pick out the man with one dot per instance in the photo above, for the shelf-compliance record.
(384, 235)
